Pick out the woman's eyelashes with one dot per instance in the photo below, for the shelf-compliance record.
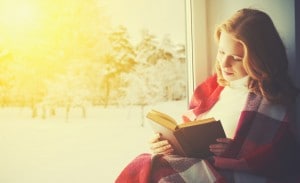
(237, 58)
(221, 53)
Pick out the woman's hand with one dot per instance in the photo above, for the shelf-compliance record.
(160, 146)
(222, 145)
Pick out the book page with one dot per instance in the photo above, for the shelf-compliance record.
(163, 115)
(196, 122)
(162, 119)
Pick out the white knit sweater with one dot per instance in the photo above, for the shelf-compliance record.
(229, 106)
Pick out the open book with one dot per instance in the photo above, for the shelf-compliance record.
(191, 139)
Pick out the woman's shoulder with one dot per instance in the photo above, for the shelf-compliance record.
(208, 86)
(210, 81)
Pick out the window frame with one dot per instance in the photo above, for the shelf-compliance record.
(198, 66)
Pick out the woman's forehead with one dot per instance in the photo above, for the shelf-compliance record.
(230, 45)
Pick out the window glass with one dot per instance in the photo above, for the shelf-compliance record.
(77, 79)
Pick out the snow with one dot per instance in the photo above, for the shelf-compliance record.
(79, 150)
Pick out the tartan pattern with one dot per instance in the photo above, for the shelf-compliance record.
(264, 149)
(183, 170)
(204, 97)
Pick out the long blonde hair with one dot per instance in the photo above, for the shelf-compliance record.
(265, 59)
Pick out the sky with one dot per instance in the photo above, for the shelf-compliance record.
(160, 17)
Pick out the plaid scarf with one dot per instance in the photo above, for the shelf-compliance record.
(264, 148)
(204, 97)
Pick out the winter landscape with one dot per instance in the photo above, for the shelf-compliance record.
(76, 80)
(91, 150)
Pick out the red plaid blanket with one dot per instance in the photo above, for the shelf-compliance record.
(264, 150)
(171, 168)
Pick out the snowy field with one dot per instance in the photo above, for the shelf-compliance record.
(91, 150)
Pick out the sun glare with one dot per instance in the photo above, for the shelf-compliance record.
(17, 15)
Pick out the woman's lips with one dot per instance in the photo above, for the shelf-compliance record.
(227, 73)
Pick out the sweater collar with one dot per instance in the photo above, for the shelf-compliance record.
(239, 83)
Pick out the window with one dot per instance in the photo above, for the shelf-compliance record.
(76, 79)
(198, 65)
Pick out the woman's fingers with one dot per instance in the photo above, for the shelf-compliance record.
(217, 149)
(224, 140)
(161, 146)
(158, 146)
(163, 149)
(155, 138)
(220, 147)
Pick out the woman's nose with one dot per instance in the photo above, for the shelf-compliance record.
(225, 61)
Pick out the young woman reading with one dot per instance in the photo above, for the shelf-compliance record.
(253, 96)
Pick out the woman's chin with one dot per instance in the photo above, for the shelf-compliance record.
(229, 77)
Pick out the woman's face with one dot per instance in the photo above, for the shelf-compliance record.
(230, 57)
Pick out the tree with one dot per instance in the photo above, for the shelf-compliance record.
(120, 59)
(159, 74)
(65, 31)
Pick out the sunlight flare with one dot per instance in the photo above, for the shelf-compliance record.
(18, 15)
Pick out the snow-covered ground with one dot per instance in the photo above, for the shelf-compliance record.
(89, 150)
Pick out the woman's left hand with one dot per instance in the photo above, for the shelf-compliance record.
(221, 146)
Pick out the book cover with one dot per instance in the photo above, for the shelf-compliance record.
(191, 139)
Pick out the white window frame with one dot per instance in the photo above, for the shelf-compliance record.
(198, 66)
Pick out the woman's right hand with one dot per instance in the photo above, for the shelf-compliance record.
(159, 146)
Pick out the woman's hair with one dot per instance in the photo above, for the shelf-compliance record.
(265, 59)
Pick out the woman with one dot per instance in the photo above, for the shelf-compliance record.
(251, 93)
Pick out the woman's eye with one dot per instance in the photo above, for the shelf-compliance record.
(235, 58)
